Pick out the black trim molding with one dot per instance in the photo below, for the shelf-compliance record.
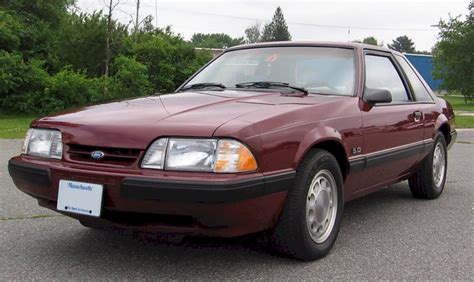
(390, 155)
(205, 191)
(454, 136)
(30, 173)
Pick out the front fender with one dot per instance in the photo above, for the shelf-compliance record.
(314, 137)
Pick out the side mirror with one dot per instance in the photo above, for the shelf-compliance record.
(375, 96)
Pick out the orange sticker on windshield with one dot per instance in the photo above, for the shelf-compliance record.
(272, 58)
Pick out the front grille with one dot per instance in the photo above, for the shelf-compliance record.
(112, 156)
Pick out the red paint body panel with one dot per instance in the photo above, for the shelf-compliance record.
(278, 129)
(219, 219)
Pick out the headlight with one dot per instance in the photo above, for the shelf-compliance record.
(187, 154)
(206, 155)
(43, 143)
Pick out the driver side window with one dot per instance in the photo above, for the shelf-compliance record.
(380, 73)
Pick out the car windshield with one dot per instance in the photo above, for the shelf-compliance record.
(320, 70)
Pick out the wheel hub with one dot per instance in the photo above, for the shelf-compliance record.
(439, 165)
(321, 206)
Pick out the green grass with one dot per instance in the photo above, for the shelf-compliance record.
(464, 122)
(14, 126)
(459, 104)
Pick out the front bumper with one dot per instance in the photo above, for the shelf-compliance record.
(226, 206)
(452, 139)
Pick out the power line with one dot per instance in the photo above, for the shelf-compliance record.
(295, 23)
(315, 25)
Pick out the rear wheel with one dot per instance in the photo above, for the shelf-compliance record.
(309, 223)
(428, 182)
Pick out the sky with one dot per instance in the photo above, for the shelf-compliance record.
(307, 20)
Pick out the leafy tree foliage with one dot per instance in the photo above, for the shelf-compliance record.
(65, 89)
(19, 80)
(277, 29)
(454, 55)
(83, 42)
(52, 58)
(215, 40)
(402, 44)
(170, 60)
(131, 78)
(47, 11)
(10, 32)
(371, 41)
(252, 33)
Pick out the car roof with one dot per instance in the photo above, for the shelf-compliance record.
(351, 45)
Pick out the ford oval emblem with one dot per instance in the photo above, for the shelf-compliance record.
(97, 155)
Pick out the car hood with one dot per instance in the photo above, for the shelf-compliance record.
(135, 123)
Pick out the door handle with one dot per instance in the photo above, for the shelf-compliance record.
(417, 115)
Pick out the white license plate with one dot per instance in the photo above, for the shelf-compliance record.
(79, 197)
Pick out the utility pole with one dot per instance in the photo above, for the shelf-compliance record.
(137, 16)
(156, 13)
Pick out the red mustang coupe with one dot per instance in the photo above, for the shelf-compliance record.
(272, 137)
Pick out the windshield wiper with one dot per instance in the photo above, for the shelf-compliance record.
(270, 84)
(203, 85)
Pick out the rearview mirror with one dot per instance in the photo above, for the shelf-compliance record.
(375, 96)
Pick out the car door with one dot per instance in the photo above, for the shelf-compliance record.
(392, 132)
(421, 93)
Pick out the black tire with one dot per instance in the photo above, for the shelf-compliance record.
(291, 235)
(423, 184)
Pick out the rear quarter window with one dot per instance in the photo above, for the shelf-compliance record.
(420, 92)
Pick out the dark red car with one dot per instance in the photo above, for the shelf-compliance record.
(270, 137)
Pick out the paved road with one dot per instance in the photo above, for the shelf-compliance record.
(387, 235)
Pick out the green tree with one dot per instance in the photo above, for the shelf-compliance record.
(49, 11)
(277, 29)
(170, 60)
(18, 80)
(53, 58)
(39, 20)
(130, 78)
(83, 42)
(65, 89)
(402, 44)
(371, 41)
(215, 40)
(10, 32)
(453, 55)
(252, 33)
(28, 40)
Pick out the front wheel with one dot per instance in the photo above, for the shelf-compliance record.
(428, 182)
(309, 223)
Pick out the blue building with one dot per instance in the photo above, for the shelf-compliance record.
(424, 65)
